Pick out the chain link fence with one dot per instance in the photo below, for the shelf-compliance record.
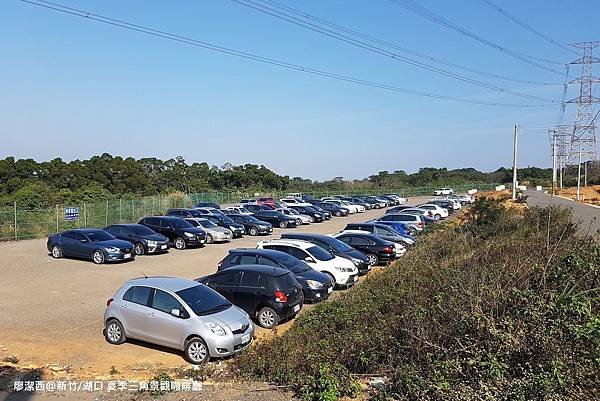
(20, 223)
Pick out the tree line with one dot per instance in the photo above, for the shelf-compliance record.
(42, 184)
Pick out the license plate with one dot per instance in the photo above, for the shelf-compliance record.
(296, 308)
(202, 241)
(127, 256)
(245, 338)
(163, 247)
(329, 290)
(355, 278)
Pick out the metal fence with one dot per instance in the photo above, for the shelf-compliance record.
(21, 223)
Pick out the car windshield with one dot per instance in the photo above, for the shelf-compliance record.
(294, 265)
(320, 253)
(180, 223)
(207, 224)
(142, 230)
(294, 211)
(99, 235)
(202, 300)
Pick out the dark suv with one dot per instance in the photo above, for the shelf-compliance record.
(144, 239)
(179, 232)
(335, 246)
(316, 286)
(317, 216)
(252, 225)
(377, 249)
(268, 294)
(275, 218)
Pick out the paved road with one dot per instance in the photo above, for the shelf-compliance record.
(587, 216)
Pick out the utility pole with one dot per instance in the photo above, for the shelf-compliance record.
(579, 172)
(554, 162)
(514, 184)
(585, 163)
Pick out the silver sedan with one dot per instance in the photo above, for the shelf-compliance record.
(214, 233)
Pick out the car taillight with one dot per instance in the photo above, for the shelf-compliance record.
(280, 296)
(388, 249)
(109, 302)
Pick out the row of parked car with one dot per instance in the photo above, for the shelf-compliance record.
(213, 316)
(204, 224)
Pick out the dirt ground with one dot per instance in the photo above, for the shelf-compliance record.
(589, 194)
(51, 315)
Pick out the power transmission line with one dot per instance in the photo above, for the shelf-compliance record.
(378, 50)
(206, 45)
(528, 27)
(350, 31)
(425, 13)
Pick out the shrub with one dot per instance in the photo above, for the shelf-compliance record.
(503, 308)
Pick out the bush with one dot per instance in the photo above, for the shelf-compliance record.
(503, 308)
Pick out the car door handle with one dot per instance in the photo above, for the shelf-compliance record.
(151, 314)
(123, 306)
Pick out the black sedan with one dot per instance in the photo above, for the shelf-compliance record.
(252, 225)
(317, 216)
(179, 232)
(377, 249)
(336, 247)
(333, 209)
(275, 218)
(316, 286)
(144, 239)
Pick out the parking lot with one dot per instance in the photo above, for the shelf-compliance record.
(52, 308)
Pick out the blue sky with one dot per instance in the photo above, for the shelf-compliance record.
(73, 88)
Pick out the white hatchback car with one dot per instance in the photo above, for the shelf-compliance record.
(443, 191)
(342, 271)
(438, 212)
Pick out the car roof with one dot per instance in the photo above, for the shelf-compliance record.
(266, 252)
(262, 269)
(196, 218)
(170, 218)
(292, 242)
(300, 236)
(173, 284)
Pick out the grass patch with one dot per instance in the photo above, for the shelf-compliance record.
(502, 308)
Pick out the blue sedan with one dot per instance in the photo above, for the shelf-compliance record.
(97, 245)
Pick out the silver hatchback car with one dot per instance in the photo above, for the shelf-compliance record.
(177, 313)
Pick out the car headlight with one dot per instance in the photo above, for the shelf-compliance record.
(150, 242)
(344, 269)
(314, 285)
(232, 228)
(215, 328)
(189, 235)
(112, 249)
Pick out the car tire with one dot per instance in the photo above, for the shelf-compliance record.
(437, 216)
(114, 332)
(373, 259)
(209, 239)
(267, 317)
(253, 231)
(299, 222)
(283, 224)
(98, 257)
(338, 213)
(139, 249)
(56, 252)
(196, 351)
(332, 278)
(179, 243)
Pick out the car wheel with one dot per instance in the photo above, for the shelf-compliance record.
(331, 277)
(139, 249)
(373, 259)
(209, 239)
(196, 351)
(114, 333)
(98, 257)
(437, 216)
(253, 231)
(299, 222)
(283, 224)
(179, 243)
(267, 318)
(338, 214)
(57, 252)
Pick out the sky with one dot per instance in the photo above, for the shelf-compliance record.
(73, 88)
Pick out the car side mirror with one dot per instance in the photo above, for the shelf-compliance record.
(308, 259)
(85, 240)
(176, 312)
